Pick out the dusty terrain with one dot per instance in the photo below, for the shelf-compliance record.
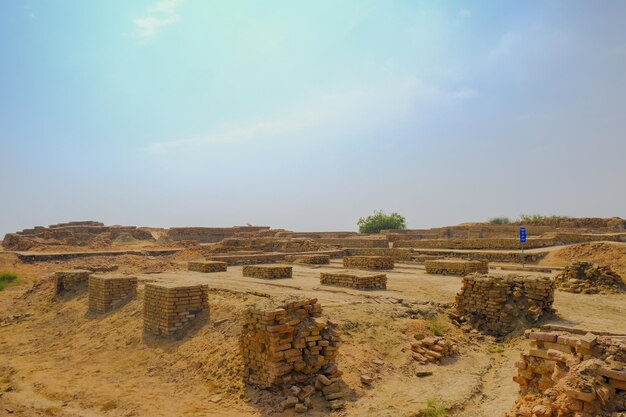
(58, 359)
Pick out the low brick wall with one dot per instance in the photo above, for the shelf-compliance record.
(290, 343)
(358, 280)
(207, 266)
(249, 259)
(571, 375)
(105, 291)
(424, 258)
(356, 242)
(398, 254)
(368, 262)
(169, 307)
(309, 259)
(460, 267)
(504, 257)
(267, 271)
(499, 305)
(71, 280)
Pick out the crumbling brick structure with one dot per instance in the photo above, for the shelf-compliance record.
(352, 279)
(309, 259)
(169, 307)
(460, 267)
(207, 266)
(398, 254)
(267, 271)
(368, 262)
(71, 280)
(287, 343)
(571, 373)
(105, 291)
(589, 278)
(432, 349)
(499, 305)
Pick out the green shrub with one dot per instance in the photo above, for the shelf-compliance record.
(528, 218)
(8, 277)
(438, 326)
(434, 408)
(495, 349)
(381, 221)
(500, 220)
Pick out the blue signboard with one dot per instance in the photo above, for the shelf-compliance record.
(522, 235)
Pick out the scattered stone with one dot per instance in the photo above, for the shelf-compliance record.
(366, 380)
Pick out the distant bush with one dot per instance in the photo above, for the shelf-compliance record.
(6, 278)
(500, 220)
(381, 221)
(527, 218)
(434, 408)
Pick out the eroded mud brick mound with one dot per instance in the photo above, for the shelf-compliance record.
(499, 305)
(309, 259)
(571, 375)
(368, 262)
(460, 267)
(71, 280)
(589, 278)
(207, 266)
(169, 307)
(355, 279)
(267, 271)
(287, 342)
(105, 291)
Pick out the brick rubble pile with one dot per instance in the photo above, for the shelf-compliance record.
(589, 278)
(289, 344)
(501, 304)
(432, 349)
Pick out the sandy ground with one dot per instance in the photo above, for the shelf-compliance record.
(57, 359)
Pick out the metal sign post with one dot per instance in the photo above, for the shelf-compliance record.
(522, 240)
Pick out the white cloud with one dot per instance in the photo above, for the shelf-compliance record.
(505, 45)
(331, 115)
(465, 13)
(158, 16)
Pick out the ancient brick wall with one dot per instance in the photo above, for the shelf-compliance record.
(352, 279)
(209, 234)
(501, 304)
(589, 278)
(309, 259)
(396, 253)
(71, 280)
(267, 271)
(207, 266)
(290, 343)
(505, 257)
(356, 242)
(169, 307)
(571, 375)
(368, 262)
(460, 267)
(105, 291)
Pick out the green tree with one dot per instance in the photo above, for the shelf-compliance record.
(500, 220)
(380, 221)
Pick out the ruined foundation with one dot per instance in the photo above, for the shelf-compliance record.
(352, 279)
(289, 343)
(169, 307)
(267, 271)
(207, 266)
(368, 262)
(309, 259)
(71, 280)
(589, 278)
(571, 375)
(498, 305)
(460, 267)
(105, 291)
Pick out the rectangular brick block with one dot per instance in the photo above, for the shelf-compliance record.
(267, 271)
(168, 307)
(105, 291)
(353, 279)
(207, 266)
(368, 262)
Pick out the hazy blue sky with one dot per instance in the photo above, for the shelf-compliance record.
(307, 115)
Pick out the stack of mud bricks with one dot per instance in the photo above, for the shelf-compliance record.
(309, 259)
(571, 375)
(72, 280)
(499, 305)
(105, 291)
(267, 271)
(398, 254)
(352, 279)
(287, 344)
(207, 266)
(368, 262)
(458, 267)
(169, 307)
